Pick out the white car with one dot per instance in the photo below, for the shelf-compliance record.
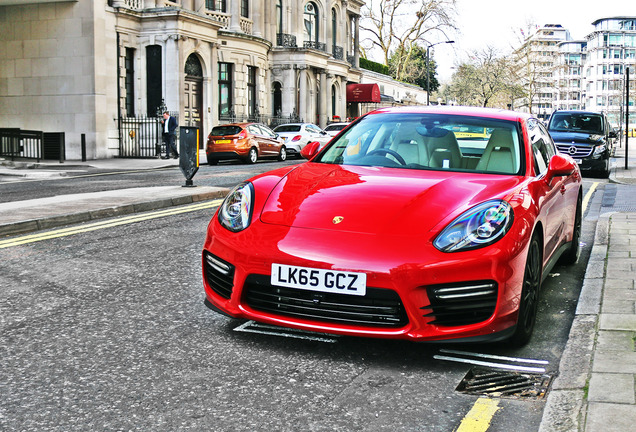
(298, 135)
(334, 129)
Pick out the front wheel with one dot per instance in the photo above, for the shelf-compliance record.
(282, 156)
(529, 301)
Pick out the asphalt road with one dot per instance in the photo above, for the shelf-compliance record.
(107, 331)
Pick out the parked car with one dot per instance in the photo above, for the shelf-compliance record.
(245, 141)
(397, 229)
(586, 136)
(298, 135)
(334, 129)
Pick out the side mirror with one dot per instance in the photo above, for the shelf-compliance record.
(310, 150)
(560, 165)
(613, 134)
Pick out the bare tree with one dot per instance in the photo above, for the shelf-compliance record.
(486, 80)
(395, 27)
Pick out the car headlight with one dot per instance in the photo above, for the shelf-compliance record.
(480, 226)
(599, 149)
(236, 211)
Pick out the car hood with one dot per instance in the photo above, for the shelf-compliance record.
(576, 138)
(376, 200)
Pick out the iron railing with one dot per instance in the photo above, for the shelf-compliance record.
(285, 40)
(20, 143)
(315, 45)
(141, 137)
(270, 120)
(338, 52)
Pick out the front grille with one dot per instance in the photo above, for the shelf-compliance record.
(461, 304)
(574, 150)
(219, 274)
(378, 308)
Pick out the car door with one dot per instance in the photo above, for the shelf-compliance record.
(552, 205)
(269, 140)
(317, 134)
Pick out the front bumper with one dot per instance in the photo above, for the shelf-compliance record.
(408, 283)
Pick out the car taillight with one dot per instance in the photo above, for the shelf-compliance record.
(243, 134)
(296, 138)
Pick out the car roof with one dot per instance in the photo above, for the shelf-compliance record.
(496, 113)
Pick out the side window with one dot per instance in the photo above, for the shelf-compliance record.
(542, 146)
(266, 131)
(254, 130)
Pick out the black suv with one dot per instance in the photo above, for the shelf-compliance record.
(586, 136)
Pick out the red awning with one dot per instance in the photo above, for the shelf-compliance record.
(363, 93)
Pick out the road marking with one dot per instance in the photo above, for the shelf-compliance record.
(254, 327)
(480, 416)
(588, 196)
(32, 238)
(491, 364)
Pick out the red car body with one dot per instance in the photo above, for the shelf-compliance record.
(407, 230)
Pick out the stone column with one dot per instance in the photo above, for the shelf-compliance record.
(172, 71)
(303, 93)
(324, 90)
(356, 43)
(199, 6)
(235, 15)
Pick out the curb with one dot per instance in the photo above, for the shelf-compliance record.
(36, 224)
(566, 404)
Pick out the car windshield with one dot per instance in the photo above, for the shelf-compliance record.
(429, 141)
(576, 122)
(287, 128)
(225, 130)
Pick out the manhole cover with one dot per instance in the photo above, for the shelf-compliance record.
(488, 382)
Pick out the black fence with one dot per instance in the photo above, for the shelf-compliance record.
(16, 143)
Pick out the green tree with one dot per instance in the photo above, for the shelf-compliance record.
(415, 70)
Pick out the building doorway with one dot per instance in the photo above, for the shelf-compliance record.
(193, 95)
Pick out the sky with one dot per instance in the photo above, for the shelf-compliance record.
(497, 23)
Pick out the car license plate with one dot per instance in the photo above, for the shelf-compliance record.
(223, 141)
(312, 279)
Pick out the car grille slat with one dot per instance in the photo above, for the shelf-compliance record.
(379, 307)
(219, 275)
(461, 304)
(581, 151)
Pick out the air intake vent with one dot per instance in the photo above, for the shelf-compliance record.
(461, 304)
(378, 308)
(219, 275)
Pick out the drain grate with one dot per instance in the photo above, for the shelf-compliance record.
(488, 382)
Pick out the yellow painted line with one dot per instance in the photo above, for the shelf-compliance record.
(479, 417)
(32, 238)
(588, 195)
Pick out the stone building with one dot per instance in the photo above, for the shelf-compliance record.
(91, 67)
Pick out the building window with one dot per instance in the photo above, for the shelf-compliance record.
(334, 30)
(216, 5)
(153, 80)
(311, 21)
(251, 91)
(225, 89)
(279, 16)
(333, 101)
(245, 8)
(129, 64)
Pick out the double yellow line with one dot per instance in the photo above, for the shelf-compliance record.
(22, 240)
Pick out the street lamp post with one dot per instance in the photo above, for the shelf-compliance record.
(428, 74)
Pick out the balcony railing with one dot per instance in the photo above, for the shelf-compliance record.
(338, 53)
(315, 45)
(286, 40)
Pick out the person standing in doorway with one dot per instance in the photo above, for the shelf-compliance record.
(169, 134)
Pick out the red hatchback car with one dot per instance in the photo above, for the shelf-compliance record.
(400, 229)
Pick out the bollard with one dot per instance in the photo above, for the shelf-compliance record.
(83, 147)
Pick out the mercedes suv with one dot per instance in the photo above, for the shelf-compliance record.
(586, 136)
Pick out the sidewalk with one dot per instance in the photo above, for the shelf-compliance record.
(20, 217)
(595, 390)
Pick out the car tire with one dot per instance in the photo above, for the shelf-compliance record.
(252, 157)
(213, 162)
(282, 156)
(571, 255)
(529, 301)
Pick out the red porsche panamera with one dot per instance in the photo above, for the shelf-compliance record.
(420, 223)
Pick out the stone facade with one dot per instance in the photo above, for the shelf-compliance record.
(80, 67)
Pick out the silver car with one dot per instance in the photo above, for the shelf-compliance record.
(298, 135)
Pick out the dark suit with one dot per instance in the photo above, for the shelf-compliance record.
(170, 136)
